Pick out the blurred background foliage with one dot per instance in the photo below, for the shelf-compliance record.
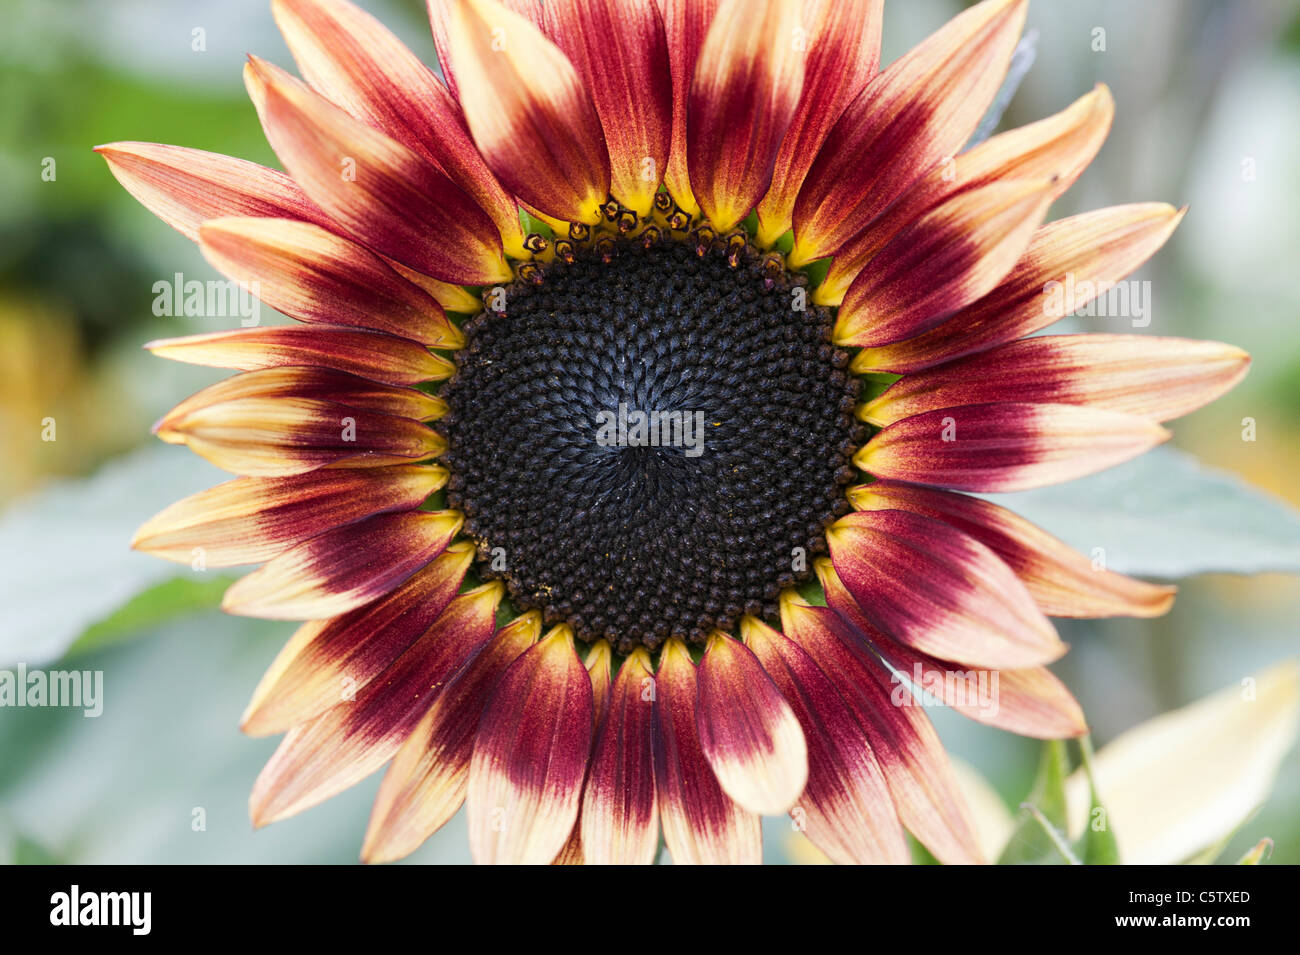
(1205, 90)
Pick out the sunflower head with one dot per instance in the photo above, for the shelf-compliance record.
(616, 463)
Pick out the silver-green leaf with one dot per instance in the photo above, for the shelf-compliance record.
(1167, 515)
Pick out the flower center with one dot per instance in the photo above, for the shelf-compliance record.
(649, 442)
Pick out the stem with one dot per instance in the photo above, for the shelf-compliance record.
(1052, 833)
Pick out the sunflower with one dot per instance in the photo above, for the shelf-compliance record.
(616, 465)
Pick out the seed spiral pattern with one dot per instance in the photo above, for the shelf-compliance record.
(630, 541)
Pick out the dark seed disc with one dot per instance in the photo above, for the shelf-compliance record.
(638, 534)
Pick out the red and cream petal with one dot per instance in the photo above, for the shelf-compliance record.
(846, 808)
(326, 384)
(842, 39)
(1156, 378)
(744, 93)
(277, 437)
(947, 259)
(620, 51)
(453, 298)
(916, 769)
(1063, 582)
(748, 732)
(599, 663)
(345, 744)
(686, 23)
(530, 755)
(571, 854)
(1068, 263)
(1057, 148)
(701, 823)
(316, 276)
(250, 520)
(343, 568)
(377, 189)
(184, 187)
(376, 355)
(1031, 702)
(939, 590)
(620, 813)
(440, 20)
(914, 115)
(429, 776)
(355, 62)
(528, 110)
(1011, 446)
(326, 662)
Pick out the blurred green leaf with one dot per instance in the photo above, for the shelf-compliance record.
(159, 604)
(1099, 844)
(1031, 843)
(1166, 515)
(65, 557)
(163, 774)
(1208, 856)
(1258, 853)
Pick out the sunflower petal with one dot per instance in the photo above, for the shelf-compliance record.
(369, 354)
(912, 116)
(915, 766)
(598, 661)
(184, 187)
(845, 809)
(453, 298)
(1031, 702)
(701, 824)
(746, 88)
(353, 60)
(440, 22)
(277, 437)
(1068, 263)
(1156, 378)
(530, 756)
(620, 813)
(249, 520)
(336, 571)
(529, 112)
(947, 259)
(325, 384)
(939, 590)
(315, 276)
(1059, 146)
(686, 24)
(345, 744)
(1062, 581)
(375, 188)
(1010, 446)
(843, 43)
(326, 662)
(620, 51)
(429, 776)
(748, 732)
